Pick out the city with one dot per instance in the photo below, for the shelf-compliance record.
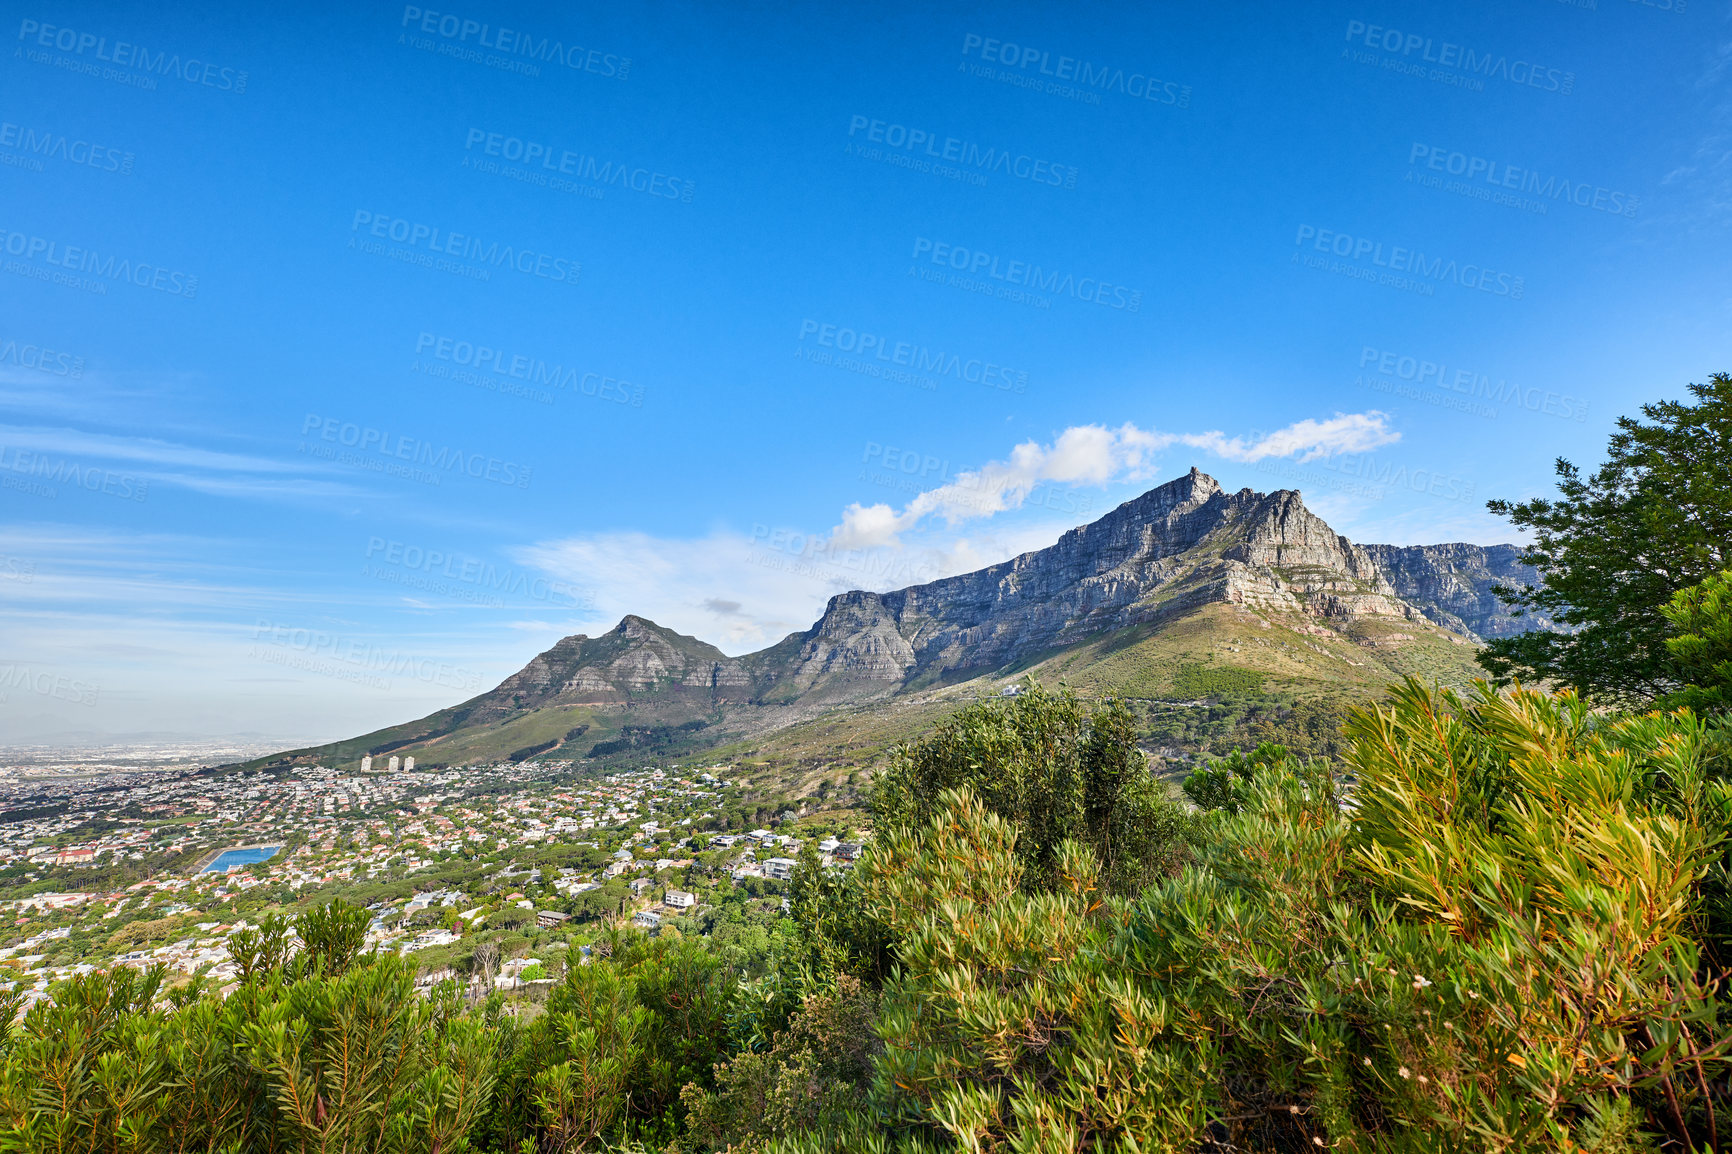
(149, 868)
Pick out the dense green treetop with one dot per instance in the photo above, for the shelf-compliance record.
(1617, 544)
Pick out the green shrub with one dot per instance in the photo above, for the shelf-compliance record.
(1491, 950)
(1055, 769)
(347, 1062)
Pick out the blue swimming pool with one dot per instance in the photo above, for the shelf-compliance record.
(230, 858)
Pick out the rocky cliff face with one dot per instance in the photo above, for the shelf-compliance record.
(1452, 584)
(1184, 544)
(1181, 545)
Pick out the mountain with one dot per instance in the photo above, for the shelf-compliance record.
(1452, 584)
(1180, 592)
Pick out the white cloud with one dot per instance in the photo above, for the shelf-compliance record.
(742, 592)
(1307, 439)
(1096, 455)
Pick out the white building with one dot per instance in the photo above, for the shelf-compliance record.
(392, 764)
(408, 764)
(367, 764)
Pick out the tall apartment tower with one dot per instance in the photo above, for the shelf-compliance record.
(408, 765)
(393, 764)
(367, 764)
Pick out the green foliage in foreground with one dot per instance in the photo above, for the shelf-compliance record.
(1507, 937)
(1496, 949)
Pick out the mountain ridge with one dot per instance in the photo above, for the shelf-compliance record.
(1184, 550)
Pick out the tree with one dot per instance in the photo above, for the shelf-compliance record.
(1615, 547)
(1055, 770)
(1702, 648)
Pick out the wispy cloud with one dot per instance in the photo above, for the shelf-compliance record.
(1096, 455)
(210, 471)
(141, 450)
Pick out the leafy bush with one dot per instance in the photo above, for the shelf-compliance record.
(347, 1062)
(1491, 950)
(1054, 769)
(1225, 782)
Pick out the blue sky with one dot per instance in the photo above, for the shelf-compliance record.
(351, 355)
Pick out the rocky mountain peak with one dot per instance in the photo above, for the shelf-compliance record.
(639, 628)
(1180, 545)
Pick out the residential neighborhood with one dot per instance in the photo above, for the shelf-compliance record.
(148, 868)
